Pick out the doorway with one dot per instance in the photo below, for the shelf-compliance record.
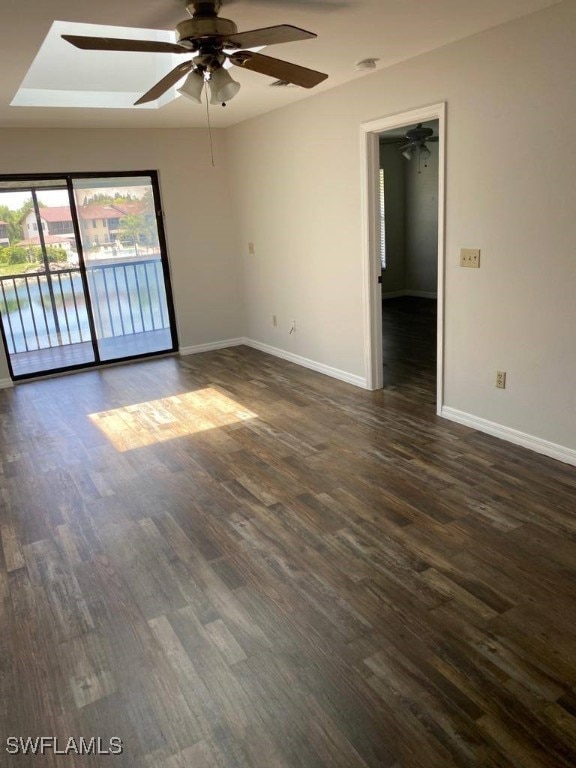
(409, 257)
(403, 213)
(83, 272)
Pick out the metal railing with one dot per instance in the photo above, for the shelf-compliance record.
(43, 310)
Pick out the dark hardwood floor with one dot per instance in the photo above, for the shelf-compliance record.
(230, 561)
(409, 347)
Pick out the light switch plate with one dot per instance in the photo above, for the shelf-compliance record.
(470, 257)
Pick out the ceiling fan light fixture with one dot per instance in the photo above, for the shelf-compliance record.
(222, 86)
(425, 151)
(214, 100)
(192, 87)
(407, 152)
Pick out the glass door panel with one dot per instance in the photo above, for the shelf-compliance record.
(125, 268)
(44, 314)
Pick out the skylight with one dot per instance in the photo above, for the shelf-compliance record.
(63, 76)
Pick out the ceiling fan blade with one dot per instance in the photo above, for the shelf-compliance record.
(167, 82)
(392, 140)
(283, 33)
(402, 140)
(283, 70)
(118, 44)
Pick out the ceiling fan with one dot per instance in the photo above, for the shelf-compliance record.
(417, 139)
(414, 143)
(215, 43)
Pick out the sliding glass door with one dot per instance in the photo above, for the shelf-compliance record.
(83, 272)
(42, 301)
(124, 266)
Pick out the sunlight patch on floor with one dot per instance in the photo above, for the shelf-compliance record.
(156, 421)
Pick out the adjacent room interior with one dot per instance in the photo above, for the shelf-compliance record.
(409, 257)
(221, 545)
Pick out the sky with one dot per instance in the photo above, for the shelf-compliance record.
(15, 200)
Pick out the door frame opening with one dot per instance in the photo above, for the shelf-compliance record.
(371, 266)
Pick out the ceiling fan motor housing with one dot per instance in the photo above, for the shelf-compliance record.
(211, 26)
(419, 133)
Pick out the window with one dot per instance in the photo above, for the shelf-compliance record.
(382, 219)
(60, 228)
(101, 302)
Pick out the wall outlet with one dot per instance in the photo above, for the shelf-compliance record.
(501, 379)
(274, 321)
(470, 257)
(251, 249)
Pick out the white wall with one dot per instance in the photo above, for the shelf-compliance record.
(422, 223)
(411, 205)
(197, 213)
(510, 191)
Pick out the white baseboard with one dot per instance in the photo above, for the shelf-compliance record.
(555, 451)
(335, 373)
(393, 294)
(422, 294)
(210, 346)
(408, 292)
(6, 383)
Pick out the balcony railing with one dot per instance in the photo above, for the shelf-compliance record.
(45, 310)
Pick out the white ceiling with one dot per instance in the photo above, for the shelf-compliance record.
(348, 31)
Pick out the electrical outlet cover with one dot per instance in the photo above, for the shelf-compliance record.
(501, 379)
(470, 257)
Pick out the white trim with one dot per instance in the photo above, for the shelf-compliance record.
(537, 444)
(327, 370)
(393, 294)
(335, 373)
(372, 267)
(210, 346)
(6, 383)
(369, 149)
(408, 292)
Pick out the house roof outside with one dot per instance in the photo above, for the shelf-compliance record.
(112, 211)
(56, 213)
(53, 214)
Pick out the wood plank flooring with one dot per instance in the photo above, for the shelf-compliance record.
(82, 353)
(409, 346)
(228, 561)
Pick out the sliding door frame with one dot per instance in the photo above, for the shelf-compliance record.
(68, 179)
